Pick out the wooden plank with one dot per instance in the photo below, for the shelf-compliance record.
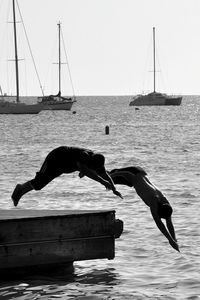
(41, 253)
(6, 214)
(59, 226)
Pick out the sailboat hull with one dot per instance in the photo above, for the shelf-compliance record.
(155, 99)
(174, 101)
(8, 107)
(56, 102)
(58, 106)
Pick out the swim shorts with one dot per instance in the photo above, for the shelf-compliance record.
(121, 179)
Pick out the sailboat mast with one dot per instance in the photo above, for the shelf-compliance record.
(59, 61)
(154, 62)
(16, 55)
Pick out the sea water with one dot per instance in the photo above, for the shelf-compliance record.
(165, 141)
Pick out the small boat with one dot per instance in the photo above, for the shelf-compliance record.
(155, 98)
(12, 104)
(57, 102)
(16, 108)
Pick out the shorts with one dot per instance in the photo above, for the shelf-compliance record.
(122, 179)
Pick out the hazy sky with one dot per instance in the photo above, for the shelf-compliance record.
(109, 45)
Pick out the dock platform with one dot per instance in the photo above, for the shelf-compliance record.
(35, 238)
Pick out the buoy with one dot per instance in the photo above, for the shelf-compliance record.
(107, 129)
(74, 112)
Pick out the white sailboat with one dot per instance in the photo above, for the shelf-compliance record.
(13, 104)
(155, 98)
(57, 102)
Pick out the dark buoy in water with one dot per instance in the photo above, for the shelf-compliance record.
(107, 129)
(74, 112)
(136, 108)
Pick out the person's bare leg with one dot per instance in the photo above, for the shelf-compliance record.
(20, 190)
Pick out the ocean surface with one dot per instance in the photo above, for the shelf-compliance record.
(165, 141)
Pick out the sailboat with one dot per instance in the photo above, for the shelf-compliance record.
(57, 102)
(155, 98)
(13, 104)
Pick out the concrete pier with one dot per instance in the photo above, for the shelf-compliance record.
(35, 238)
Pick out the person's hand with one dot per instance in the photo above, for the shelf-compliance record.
(174, 245)
(117, 194)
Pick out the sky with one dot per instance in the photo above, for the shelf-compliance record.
(108, 45)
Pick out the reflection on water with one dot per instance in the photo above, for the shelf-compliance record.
(104, 276)
(82, 282)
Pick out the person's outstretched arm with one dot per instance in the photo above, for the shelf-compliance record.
(108, 178)
(103, 179)
(85, 171)
(163, 229)
(170, 227)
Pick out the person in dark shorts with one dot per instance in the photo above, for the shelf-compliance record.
(159, 206)
(67, 160)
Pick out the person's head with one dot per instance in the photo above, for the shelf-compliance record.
(164, 210)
